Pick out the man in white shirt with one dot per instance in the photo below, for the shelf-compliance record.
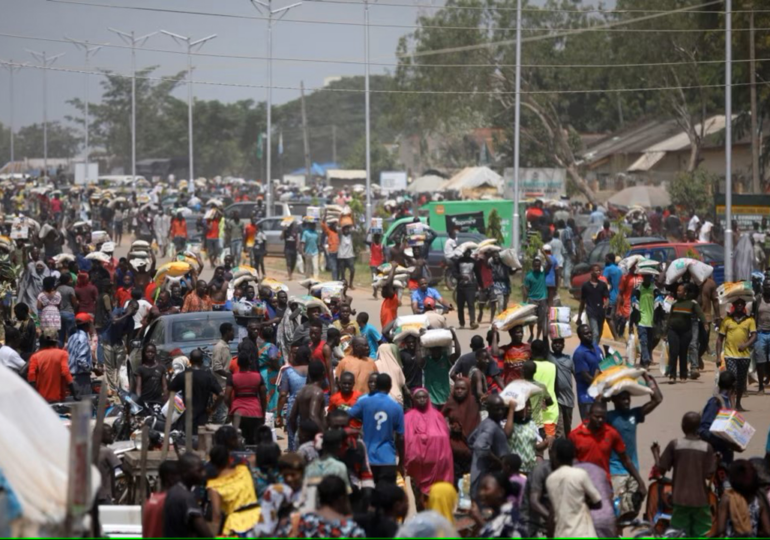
(569, 489)
(704, 235)
(694, 223)
(144, 307)
(450, 245)
(9, 357)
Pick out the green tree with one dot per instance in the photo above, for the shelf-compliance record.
(63, 141)
(381, 157)
(619, 244)
(495, 226)
(693, 191)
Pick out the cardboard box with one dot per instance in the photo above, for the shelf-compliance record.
(732, 427)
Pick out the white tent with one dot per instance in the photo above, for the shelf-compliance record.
(427, 184)
(34, 451)
(472, 178)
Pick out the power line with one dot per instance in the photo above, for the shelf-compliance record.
(361, 91)
(387, 64)
(534, 10)
(603, 28)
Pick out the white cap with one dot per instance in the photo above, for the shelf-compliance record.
(547, 247)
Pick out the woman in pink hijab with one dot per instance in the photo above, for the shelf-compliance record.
(428, 456)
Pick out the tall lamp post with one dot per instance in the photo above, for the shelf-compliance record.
(192, 46)
(130, 39)
(273, 16)
(368, 118)
(728, 141)
(89, 51)
(516, 135)
(12, 68)
(45, 62)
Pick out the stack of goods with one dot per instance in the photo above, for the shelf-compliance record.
(400, 278)
(641, 264)
(172, 269)
(727, 293)
(465, 246)
(437, 337)
(274, 285)
(731, 426)
(346, 219)
(409, 325)
(520, 391)
(517, 315)
(559, 326)
(617, 379)
(415, 234)
(699, 271)
(488, 246)
(313, 214)
(327, 290)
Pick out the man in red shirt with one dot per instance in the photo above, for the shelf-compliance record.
(212, 238)
(595, 441)
(152, 514)
(49, 371)
(346, 397)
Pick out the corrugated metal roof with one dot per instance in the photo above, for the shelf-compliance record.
(646, 162)
(633, 140)
(680, 141)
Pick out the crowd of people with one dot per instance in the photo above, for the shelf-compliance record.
(330, 422)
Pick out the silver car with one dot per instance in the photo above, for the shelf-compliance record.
(273, 227)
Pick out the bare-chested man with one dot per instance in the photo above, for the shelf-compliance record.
(309, 403)
(218, 289)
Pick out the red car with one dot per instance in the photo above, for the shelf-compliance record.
(652, 248)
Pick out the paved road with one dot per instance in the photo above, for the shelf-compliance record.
(662, 426)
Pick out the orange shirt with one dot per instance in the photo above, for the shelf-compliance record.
(251, 232)
(178, 228)
(49, 370)
(389, 310)
(332, 238)
(338, 401)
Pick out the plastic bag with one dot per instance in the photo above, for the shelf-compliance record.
(631, 348)
(559, 330)
(520, 391)
(178, 408)
(559, 314)
(438, 337)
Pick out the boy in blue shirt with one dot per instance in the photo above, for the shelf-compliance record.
(383, 430)
(372, 335)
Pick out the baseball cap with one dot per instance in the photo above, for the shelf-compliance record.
(84, 317)
(547, 247)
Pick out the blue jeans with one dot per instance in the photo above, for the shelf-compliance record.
(67, 324)
(332, 259)
(645, 338)
(762, 348)
(236, 246)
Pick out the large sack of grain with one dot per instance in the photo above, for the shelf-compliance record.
(520, 391)
(406, 322)
(510, 259)
(513, 316)
(699, 271)
(730, 292)
(436, 338)
(608, 377)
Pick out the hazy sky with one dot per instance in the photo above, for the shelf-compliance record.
(236, 36)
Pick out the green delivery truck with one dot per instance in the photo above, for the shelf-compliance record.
(473, 216)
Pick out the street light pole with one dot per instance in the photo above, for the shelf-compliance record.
(191, 47)
(89, 51)
(12, 68)
(267, 8)
(516, 135)
(45, 61)
(368, 119)
(130, 39)
(728, 141)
